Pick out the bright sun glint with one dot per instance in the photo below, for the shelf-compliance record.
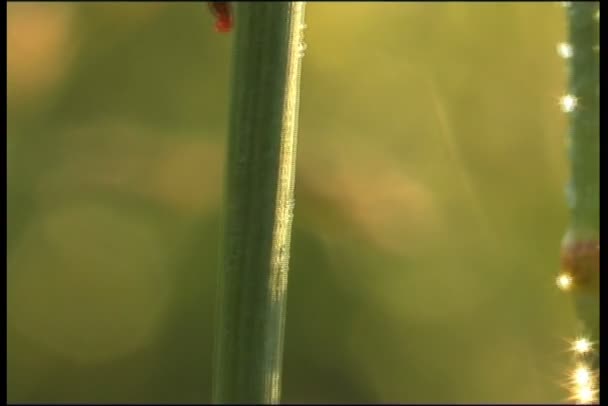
(585, 394)
(568, 103)
(564, 281)
(581, 346)
(582, 376)
(564, 50)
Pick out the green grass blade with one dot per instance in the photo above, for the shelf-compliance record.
(580, 249)
(258, 202)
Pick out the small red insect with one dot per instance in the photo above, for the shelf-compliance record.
(581, 261)
(223, 14)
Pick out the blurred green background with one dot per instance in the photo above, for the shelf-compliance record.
(429, 203)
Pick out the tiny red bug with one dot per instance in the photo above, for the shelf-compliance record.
(223, 14)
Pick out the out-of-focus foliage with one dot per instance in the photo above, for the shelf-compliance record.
(429, 203)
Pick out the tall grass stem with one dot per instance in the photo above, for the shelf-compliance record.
(259, 202)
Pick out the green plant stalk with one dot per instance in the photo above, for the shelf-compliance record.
(258, 202)
(580, 249)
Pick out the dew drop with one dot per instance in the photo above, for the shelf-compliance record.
(301, 49)
(565, 50)
(568, 103)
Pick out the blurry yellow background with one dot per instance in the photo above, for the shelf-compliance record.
(429, 203)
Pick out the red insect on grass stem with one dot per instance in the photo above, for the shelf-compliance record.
(223, 14)
(581, 260)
